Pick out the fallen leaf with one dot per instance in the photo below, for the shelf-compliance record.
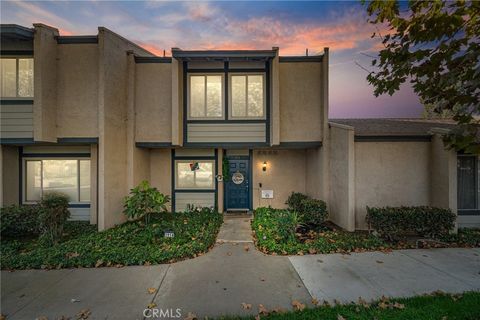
(74, 300)
(99, 263)
(146, 263)
(262, 279)
(262, 309)
(246, 248)
(397, 305)
(151, 290)
(83, 314)
(246, 306)
(339, 317)
(314, 301)
(72, 255)
(191, 316)
(257, 317)
(229, 253)
(151, 305)
(383, 305)
(379, 261)
(312, 251)
(297, 305)
(39, 318)
(320, 261)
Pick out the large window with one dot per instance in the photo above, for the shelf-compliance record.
(247, 96)
(206, 96)
(16, 77)
(192, 174)
(68, 176)
(468, 187)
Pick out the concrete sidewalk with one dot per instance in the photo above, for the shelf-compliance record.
(232, 273)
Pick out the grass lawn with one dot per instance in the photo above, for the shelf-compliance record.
(271, 238)
(131, 243)
(432, 307)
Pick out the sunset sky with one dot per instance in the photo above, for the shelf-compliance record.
(292, 26)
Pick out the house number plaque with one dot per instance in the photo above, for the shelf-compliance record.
(237, 178)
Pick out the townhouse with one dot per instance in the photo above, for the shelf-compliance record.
(92, 116)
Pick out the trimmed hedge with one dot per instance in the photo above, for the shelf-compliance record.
(397, 222)
(19, 221)
(310, 211)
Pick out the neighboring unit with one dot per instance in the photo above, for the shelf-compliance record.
(92, 116)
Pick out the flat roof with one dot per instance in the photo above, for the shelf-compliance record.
(395, 126)
(15, 31)
(215, 55)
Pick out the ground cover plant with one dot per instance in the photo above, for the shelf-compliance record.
(280, 231)
(131, 243)
(438, 305)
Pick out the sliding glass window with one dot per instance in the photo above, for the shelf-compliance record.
(67, 176)
(247, 96)
(16, 77)
(205, 99)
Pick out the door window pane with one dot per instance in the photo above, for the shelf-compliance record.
(239, 96)
(85, 180)
(25, 77)
(61, 176)
(33, 180)
(467, 186)
(8, 77)
(201, 178)
(255, 96)
(197, 96)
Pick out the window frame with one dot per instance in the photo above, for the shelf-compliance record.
(17, 58)
(176, 187)
(222, 98)
(475, 211)
(230, 95)
(41, 159)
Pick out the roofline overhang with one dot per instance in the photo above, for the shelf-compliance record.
(15, 31)
(223, 55)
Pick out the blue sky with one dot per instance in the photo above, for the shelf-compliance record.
(291, 25)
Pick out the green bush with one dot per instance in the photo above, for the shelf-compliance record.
(397, 222)
(52, 216)
(143, 201)
(19, 221)
(310, 211)
(314, 212)
(294, 201)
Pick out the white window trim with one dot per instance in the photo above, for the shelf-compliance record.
(230, 96)
(24, 176)
(17, 97)
(195, 188)
(189, 92)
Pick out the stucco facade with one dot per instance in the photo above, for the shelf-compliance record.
(134, 116)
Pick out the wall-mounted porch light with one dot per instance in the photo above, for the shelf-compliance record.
(264, 166)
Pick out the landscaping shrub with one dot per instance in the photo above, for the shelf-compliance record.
(52, 216)
(294, 201)
(398, 222)
(143, 201)
(314, 212)
(19, 221)
(310, 211)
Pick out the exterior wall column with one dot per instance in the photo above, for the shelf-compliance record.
(275, 99)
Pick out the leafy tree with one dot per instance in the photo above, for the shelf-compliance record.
(143, 201)
(435, 45)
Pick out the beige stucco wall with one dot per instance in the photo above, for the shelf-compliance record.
(285, 174)
(45, 80)
(77, 90)
(341, 204)
(390, 174)
(161, 170)
(9, 175)
(300, 101)
(153, 102)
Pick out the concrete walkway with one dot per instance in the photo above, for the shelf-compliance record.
(232, 273)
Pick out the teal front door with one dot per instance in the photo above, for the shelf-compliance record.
(237, 184)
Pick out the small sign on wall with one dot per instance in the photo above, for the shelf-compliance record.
(267, 194)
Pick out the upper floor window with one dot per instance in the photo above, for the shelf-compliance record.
(206, 96)
(16, 77)
(247, 96)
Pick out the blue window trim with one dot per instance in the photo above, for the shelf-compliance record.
(174, 190)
